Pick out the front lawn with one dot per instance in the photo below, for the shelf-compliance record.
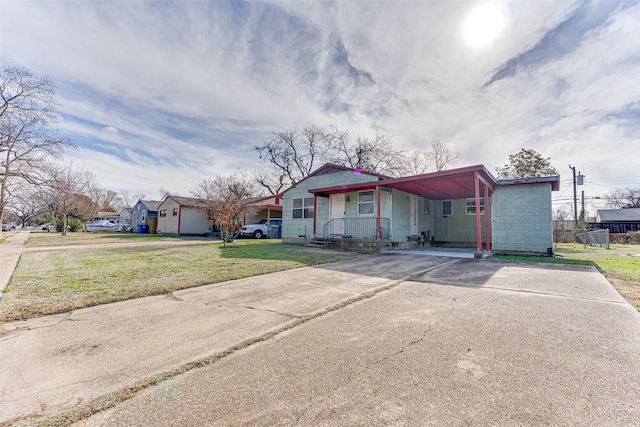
(40, 239)
(63, 280)
(620, 265)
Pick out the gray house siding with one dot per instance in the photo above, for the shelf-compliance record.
(522, 218)
(293, 228)
(458, 227)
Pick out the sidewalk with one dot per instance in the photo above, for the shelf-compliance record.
(10, 252)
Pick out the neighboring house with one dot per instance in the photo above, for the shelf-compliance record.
(107, 216)
(125, 216)
(617, 220)
(145, 212)
(183, 216)
(263, 208)
(335, 202)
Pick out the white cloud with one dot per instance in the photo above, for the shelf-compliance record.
(162, 94)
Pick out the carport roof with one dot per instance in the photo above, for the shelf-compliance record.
(449, 184)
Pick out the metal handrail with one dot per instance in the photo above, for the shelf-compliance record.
(356, 228)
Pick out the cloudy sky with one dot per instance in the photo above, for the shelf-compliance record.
(162, 94)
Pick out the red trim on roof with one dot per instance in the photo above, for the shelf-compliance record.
(329, 167)
(449, 184)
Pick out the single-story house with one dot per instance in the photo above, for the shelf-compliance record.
(183, 216)
(145, 213)
(263, 208)
(107, 216)
(617, 220)
(125, 216)
(336, 202)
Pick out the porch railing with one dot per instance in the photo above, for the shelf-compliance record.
(356, 228)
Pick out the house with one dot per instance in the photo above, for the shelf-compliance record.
(263, 208)
(183, 216)
(107, 216)
(125, 216)
(144, 216)
(345, 204)
(617, 220)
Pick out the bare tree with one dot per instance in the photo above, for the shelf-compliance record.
(375, 154)
(224, 199)
(292, 154)
(443, 157)
(267, 180)
(26, 203)
(65, 190)
(622, 198)
(164, 193)
(28, 128)
(561, 217)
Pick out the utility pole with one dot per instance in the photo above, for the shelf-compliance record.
(575, 196)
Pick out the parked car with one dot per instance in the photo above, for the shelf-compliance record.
(48, 227)
(8, 227)
(261, 229)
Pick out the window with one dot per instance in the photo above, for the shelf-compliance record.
(143, 215)
(303, 208)
(471, 206)
(163, 213)
(175, 211)
(447, 207)
(365, 203)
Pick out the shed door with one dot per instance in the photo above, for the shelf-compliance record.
(337, 203)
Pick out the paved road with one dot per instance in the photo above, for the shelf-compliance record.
(444, 342)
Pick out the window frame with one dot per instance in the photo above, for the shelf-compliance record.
(305, 209)
(175, 212)
(162, 213)
(368, 202)
(473, 206)
(450, 208)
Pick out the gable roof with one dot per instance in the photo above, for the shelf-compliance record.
(151, 205)
(619, 215)
(185, 201)
(330, 168)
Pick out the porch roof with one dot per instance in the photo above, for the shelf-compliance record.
(449, 184)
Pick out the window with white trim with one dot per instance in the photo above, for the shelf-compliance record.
(143, 215)
(471, 206)
(303, 207)
(447, 207)
(365, 202)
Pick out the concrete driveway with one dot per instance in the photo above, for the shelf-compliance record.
(406, 340)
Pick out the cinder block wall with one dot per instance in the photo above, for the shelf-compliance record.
(522, 219)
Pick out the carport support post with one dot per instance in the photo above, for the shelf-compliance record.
(487, 218)
(476, 180)
(378, 234)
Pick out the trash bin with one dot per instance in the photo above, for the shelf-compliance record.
(273, 231)
(142, 229)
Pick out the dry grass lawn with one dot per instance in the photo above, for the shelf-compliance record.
(62, 280)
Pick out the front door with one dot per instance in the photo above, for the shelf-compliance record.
(413, 216)
(337, 202)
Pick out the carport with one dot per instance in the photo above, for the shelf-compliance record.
(469, 182)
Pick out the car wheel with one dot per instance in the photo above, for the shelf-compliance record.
(257, 234)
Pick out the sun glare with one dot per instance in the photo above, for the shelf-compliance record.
(483, 24)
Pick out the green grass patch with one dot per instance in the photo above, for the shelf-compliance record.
(544, 259)
(58, 281)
